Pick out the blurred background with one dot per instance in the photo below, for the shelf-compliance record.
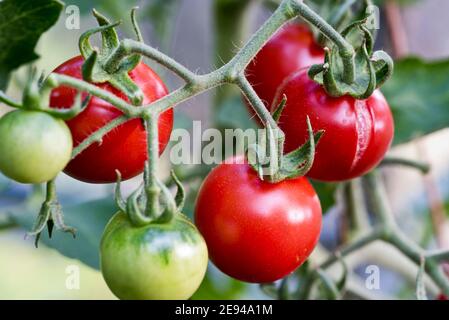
(186, 30)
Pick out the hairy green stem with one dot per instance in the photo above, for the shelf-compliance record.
(57, 80)
(345, 49)
(235, 67)
(152, 188)
(98, 135)
(256, 102)
(231, 72)
(128, 47)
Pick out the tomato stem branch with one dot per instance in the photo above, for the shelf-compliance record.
(256, 102)
(440, 256)
(128, 47)
(422, 166)
(396, 237)
(355, 245)
(152, 188)
(346, 50)
(97, 136)
(388, 231)
(8, 101)
(231, 72)
(59, 79)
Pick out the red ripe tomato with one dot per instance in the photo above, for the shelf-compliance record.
(357, 134)
(124, 148)
(289, 50)
(257, 231)
(441, 297)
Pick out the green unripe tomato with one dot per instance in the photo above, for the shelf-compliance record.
(34, 146)
(156, 261)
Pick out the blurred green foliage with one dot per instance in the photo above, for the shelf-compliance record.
(22, 24)
(418, 94)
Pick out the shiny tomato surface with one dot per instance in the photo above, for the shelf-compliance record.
(357, 133)
(124, 148)
(292, 48)
(257, 231)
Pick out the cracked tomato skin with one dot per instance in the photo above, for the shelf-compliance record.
(357, 133)
(124, 148)
(257, 231)
(289, 50)
(153, 262)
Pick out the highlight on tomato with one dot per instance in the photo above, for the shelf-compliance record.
(155, 261)
(34, 146)
(124, 148)
(357, 133)
(292, 48)
(257, 231)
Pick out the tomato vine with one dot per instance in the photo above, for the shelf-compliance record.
(349, 68)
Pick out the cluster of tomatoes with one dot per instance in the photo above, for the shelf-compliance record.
(253, 230)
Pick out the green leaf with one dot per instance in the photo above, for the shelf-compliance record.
(219, 287)
(326, 193)
(22, 24)
(89, 219)
(233, 113)
(418, 94)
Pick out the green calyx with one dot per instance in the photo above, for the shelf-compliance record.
(50, 216)
(36, 97)
(94, 68)
(372, 69)
(268, 159)
(136, 203)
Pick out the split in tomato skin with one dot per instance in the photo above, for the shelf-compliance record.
(292, 48)
(357, 133)
(257, 231)
(153, 262)
(124, 148)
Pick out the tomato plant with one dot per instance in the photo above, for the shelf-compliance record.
(357, 133)
(292, 48)
(156, 261)
(123, 149)
(34, 146)
(257, 231)
(259, 225)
